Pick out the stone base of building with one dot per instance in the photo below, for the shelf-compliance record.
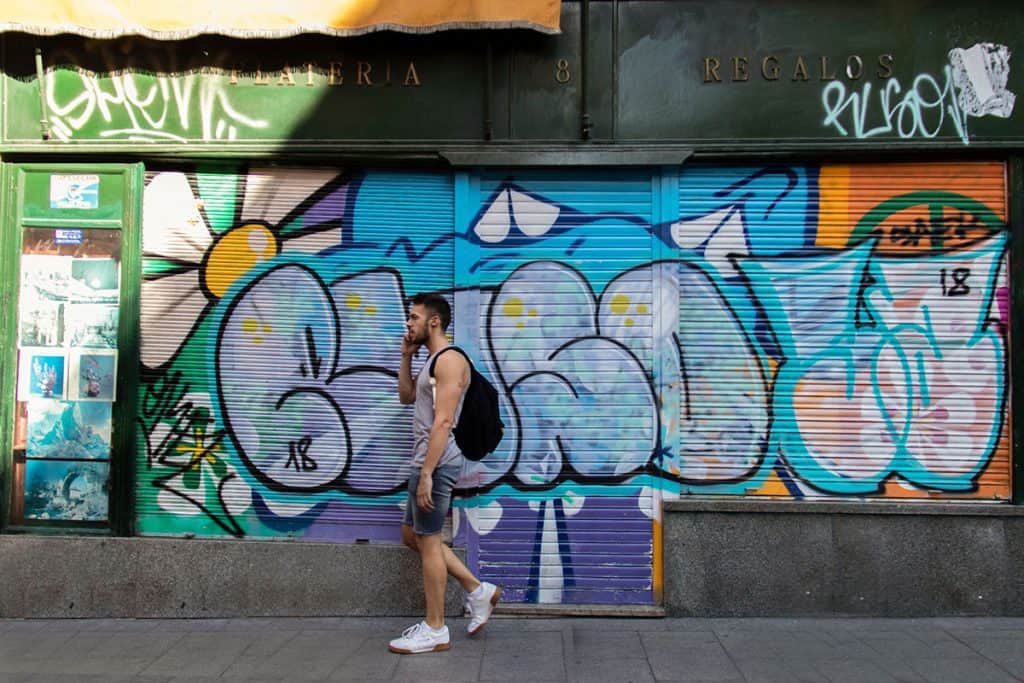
(723, 558)
(61, 576)
(731, 558)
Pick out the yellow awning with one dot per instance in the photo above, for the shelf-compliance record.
(178, 19)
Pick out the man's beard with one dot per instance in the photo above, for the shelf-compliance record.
(420, 338)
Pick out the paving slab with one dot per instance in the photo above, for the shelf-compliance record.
(674, 657)
(592, 644)
(1005, 648)
(757, 671)
(961, 670)
(633, 670)
(198, 654)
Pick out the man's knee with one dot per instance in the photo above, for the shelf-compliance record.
(428, 545)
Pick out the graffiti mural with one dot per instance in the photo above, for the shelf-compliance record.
(797, 331)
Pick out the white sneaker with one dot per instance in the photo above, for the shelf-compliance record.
(420, 638)
(480, 608)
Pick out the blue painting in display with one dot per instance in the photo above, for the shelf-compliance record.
(96, 377)
(69, 429)
(46, 374)
(66, 490)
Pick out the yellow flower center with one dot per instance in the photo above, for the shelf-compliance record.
(235, 253)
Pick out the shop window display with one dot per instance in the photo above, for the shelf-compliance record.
(67, 370)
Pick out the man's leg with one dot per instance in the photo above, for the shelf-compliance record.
(435, 575)
(480, 597)
(430, 635)
(427, 525)
(438, 560)
(459, 571)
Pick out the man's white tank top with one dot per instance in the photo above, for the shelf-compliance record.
(423, 420)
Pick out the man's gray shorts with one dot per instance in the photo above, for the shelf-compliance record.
(428, 523)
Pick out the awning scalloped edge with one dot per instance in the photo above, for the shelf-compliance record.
(194, 31)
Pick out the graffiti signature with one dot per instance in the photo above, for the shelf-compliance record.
(145, 108)
(923, 110)
(166, 417)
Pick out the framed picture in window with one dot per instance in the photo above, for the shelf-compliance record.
(42, 373)
(92, 376)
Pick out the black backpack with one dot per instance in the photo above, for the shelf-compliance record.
(480, 428)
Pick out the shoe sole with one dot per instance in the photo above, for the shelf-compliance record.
(437, 648)
(494, 602)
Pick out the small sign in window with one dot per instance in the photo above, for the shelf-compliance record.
(67, 236)
(74, 191)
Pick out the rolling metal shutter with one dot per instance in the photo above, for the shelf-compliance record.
(566, 331)
(272, 308)
(844, 330)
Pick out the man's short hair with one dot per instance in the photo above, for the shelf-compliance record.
(435, 304)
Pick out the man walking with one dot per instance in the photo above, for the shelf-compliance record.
(436, 467)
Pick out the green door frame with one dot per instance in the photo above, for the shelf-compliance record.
(119, 208)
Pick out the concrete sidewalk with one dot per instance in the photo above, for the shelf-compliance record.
(974, 650)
